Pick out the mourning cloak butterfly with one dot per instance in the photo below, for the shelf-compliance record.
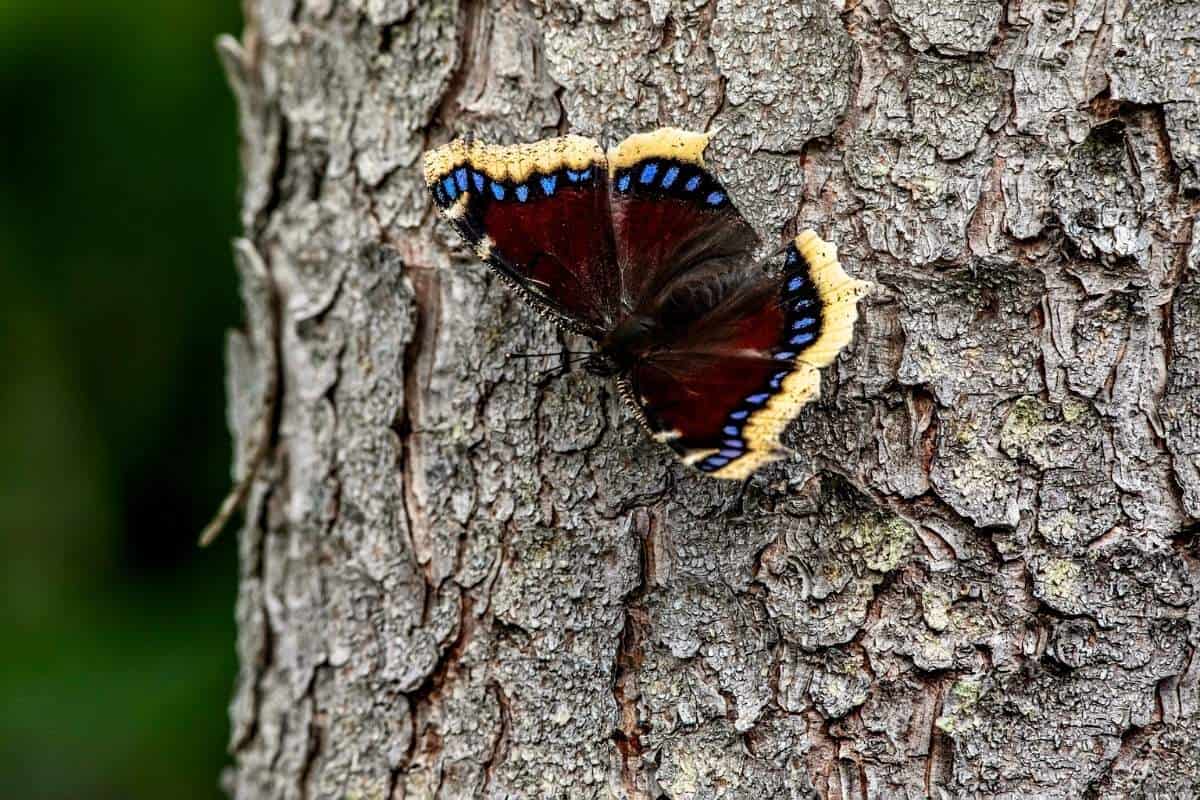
(642, 250)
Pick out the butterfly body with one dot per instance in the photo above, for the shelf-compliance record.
(642, 250)
(621, 349)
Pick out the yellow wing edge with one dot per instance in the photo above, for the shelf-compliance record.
(673, 143)
(839, 295)
(514, 162)
(517, 162)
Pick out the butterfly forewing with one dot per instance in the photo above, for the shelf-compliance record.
(670, 216)
(538, 215)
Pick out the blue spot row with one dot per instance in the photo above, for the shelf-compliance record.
(665, 175)
(734, 446)
(460, 178)
(730, 449)
(804, 321)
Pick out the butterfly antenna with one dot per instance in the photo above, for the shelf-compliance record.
(546, 355)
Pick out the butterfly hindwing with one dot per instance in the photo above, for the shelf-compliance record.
(538, 215)
(722, 404)
(670, 215)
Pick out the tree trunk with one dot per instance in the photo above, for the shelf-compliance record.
(979, 574)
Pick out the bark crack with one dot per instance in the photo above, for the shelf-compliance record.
(627, 663)
(500, 742)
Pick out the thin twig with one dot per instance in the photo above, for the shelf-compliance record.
(253, 263)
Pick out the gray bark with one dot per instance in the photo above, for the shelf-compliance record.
(979, 576)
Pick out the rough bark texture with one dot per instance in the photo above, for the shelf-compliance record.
(978, 577)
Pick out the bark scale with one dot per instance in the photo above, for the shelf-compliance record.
(978, 577)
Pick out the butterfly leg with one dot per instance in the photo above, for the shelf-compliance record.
(560, 370)
(551, 374)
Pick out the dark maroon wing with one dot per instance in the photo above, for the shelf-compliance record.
(723, 390)
(538, 215)
(670, 216)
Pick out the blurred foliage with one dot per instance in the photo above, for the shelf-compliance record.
(118, 180)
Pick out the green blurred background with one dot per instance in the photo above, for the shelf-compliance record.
(117, 203)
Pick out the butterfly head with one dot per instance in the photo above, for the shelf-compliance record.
(622, 349)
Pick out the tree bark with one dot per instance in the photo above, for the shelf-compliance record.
(979, 575)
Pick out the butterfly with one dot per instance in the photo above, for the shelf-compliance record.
(642, 250)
